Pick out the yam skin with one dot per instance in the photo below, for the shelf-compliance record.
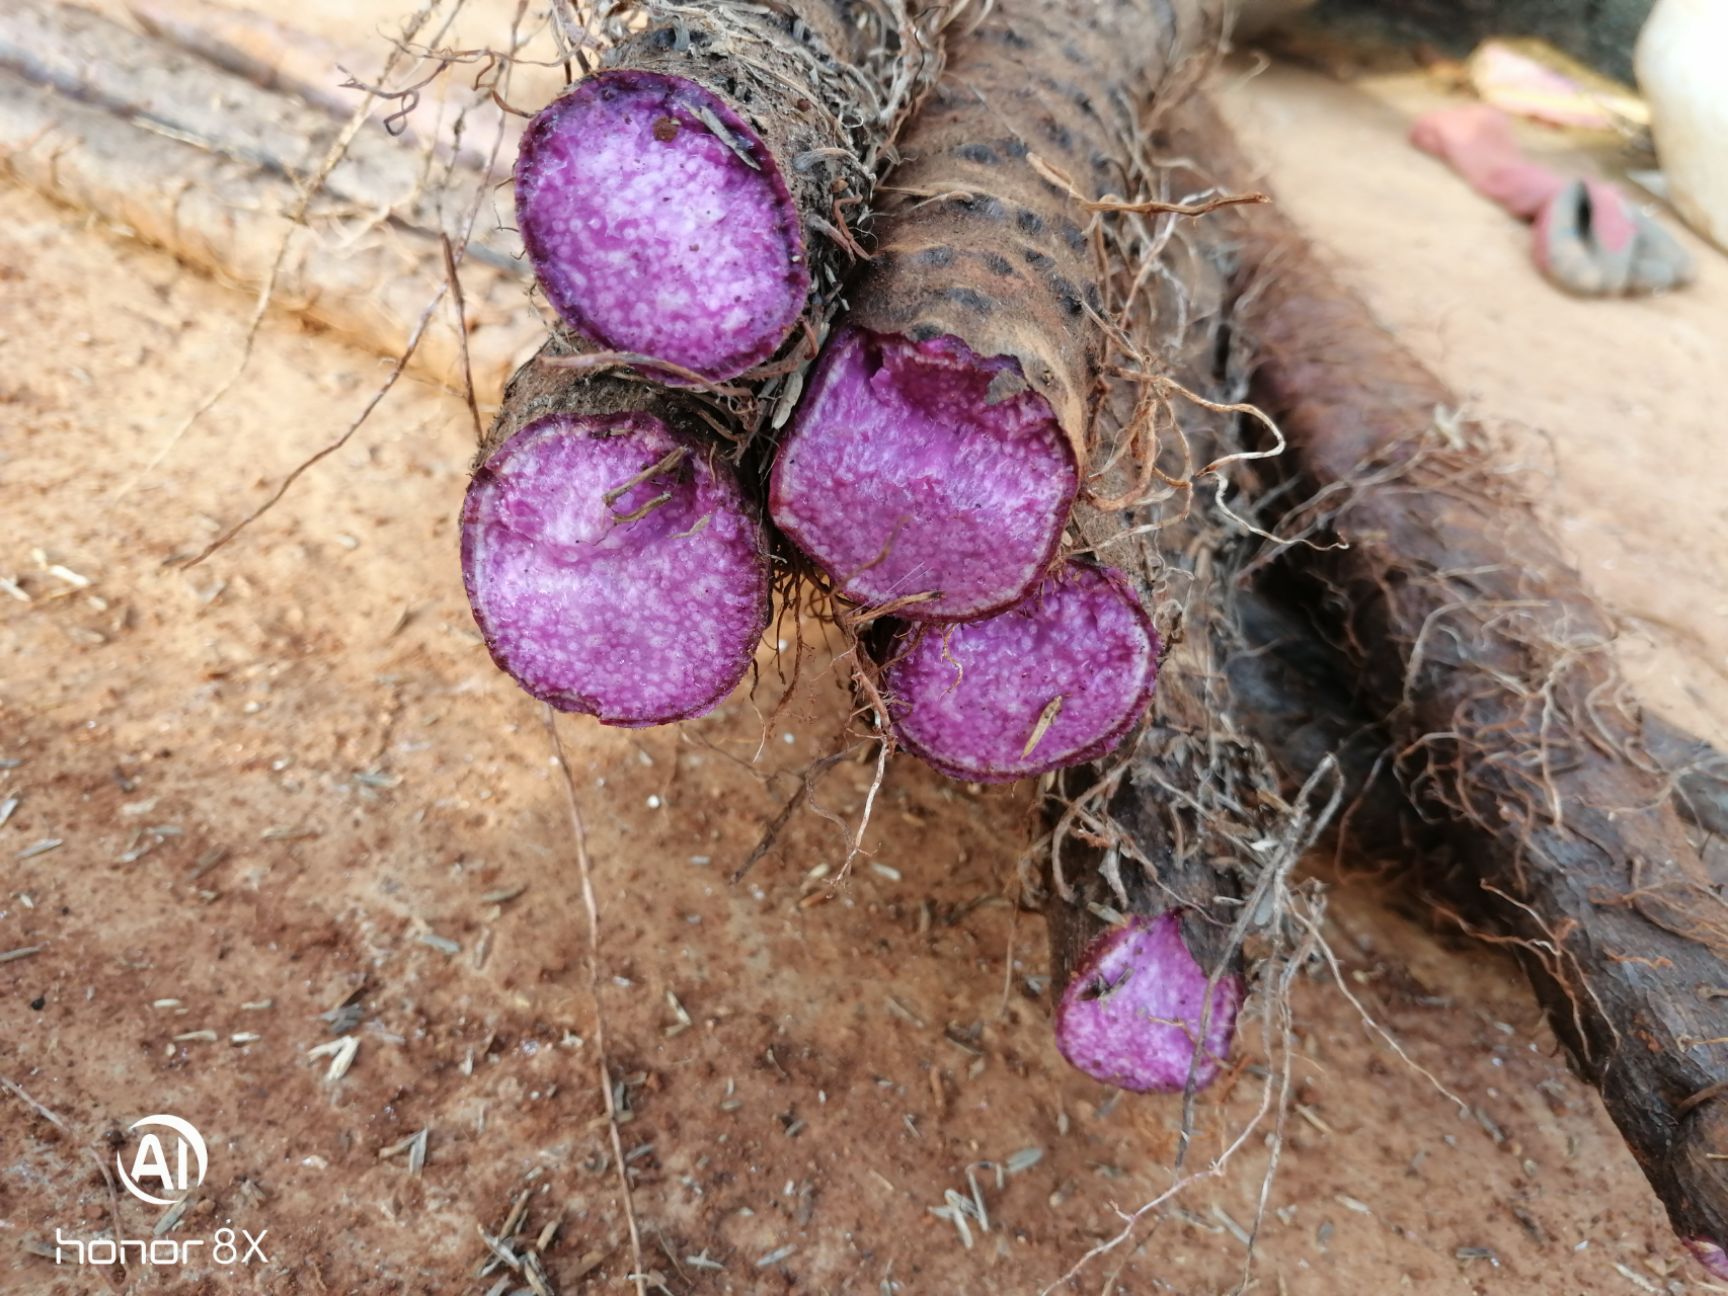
(1294, 692)
(974, 240)
(804, 97)
(1179, 804)
(980, 239)
(1463, 622)
(1178, 821)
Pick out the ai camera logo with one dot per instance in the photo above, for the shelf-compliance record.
(154, 1169)
(170, 1160)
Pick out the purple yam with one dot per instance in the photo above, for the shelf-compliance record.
(1709, 1254)
(653, 233)
(638, 609)
(917, 468)
(1054, 681)
(1131, 1016)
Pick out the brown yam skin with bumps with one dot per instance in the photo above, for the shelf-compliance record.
(972, 241)
(1566, 838)
(542, 386)
(1293, 691)
(1168, 749)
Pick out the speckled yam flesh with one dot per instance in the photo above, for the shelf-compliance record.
(1140, 1014)
(1055, 680)
(612, 561)
(905, 433)
(654, 228)
(983, 259)
(687, 201)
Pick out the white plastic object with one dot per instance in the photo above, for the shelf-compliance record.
(1682, 67)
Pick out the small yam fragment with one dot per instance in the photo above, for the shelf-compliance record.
(1132, 1013)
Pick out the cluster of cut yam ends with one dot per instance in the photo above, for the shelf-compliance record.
(686, 221)
(839, 291)
(829, 305)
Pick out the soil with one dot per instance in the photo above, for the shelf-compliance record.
(290, 780)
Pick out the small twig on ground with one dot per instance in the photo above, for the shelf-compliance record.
(885, 746)
(579, 836)
(13, 1088)
(806, 782)
(459, 310)
(331, 448)
(113, 1192)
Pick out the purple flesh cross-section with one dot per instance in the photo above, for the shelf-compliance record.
(651, 233)
(1131, 1015)
(903, 477)
(633, 622)
(1078, 657)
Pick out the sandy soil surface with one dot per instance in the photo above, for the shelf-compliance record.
(291, 802)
